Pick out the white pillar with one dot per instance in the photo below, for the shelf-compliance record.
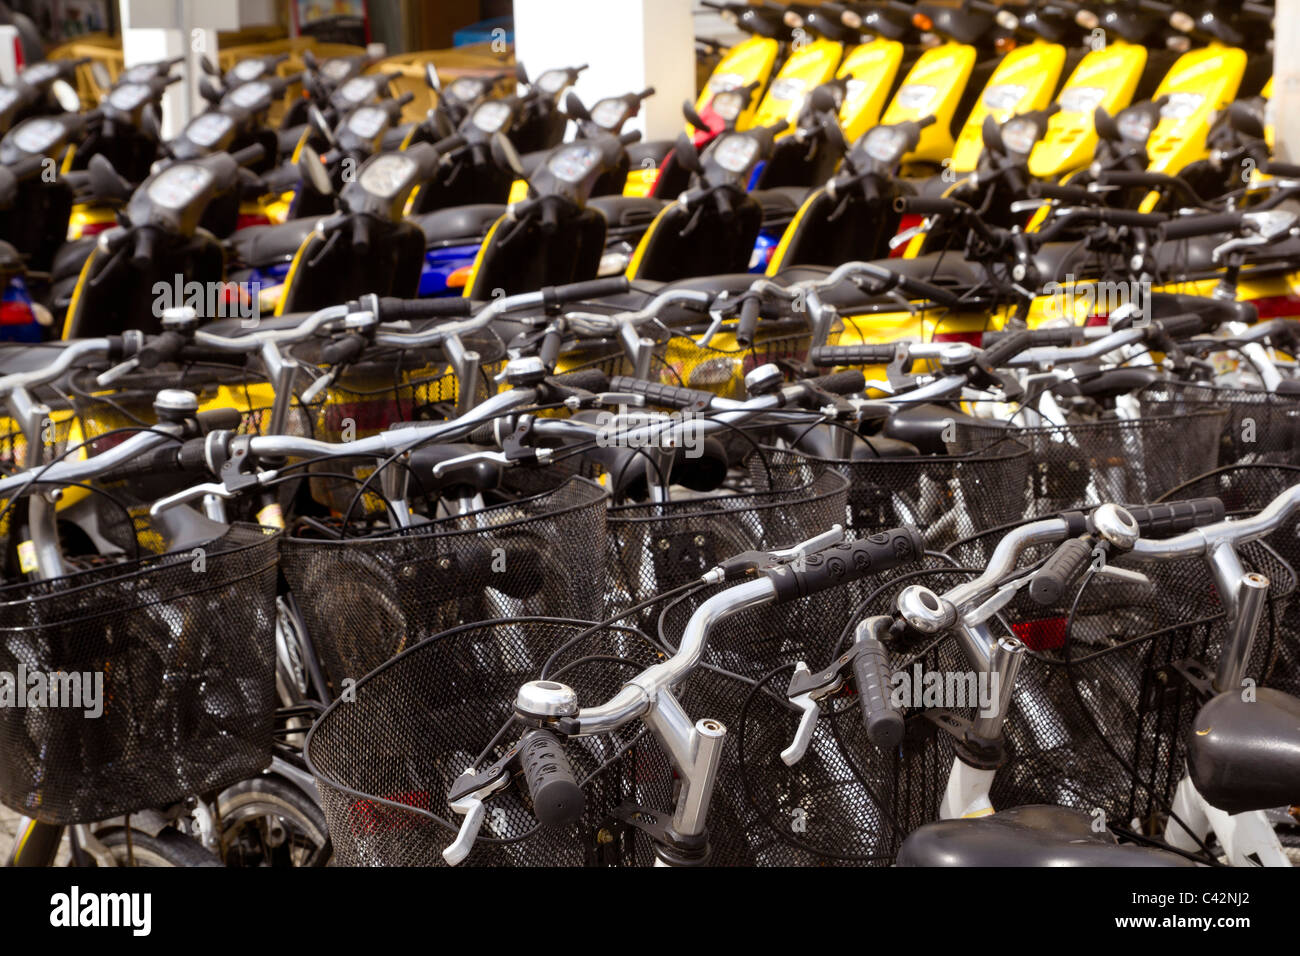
(162, 29)
(1285, 103)
(629, 44)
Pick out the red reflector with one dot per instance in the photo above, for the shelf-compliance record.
(1045, 634)
(251, 219)
(1101, 318)
(1277, 306)
(18, 53)
(16, 313)
(95, 228)
(970, 338)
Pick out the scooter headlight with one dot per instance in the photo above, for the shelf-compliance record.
(1181, 105)
(1082, 99)
(1087, 19)
(1135, 125)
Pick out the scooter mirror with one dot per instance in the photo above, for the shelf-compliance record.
(313, 171)
(431, 77)
(692, 117)
(105, 183)
(309, 60)
(321, 123)
(100, 72)
(1105, 125)
(992, 135)
(150, 123)
(521, 75)
(684, 151)
(822, 100)
(208, 91)
(1245, 120)
(575, 108)
(207, 66)
(504, 152)
(66, 95)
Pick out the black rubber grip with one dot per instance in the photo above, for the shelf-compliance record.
(745, 328)
(1185, 227)
(842, 563)
(1175, 517)
(1130, 217)
(1057, 337)
(159, 348)
(592, 289)
(159, 461)
(342, 350)
(1132, 177)
(1285, 170)
(1053, 580)
(665, 396)
(219, 419)
(829, 356)
(392, 308)
(1008, 347)
(849, 382)
(1071, 194)
(249, 154)
(447, 144)
(871, 672)
(922, 206)
(549, 349)
(559, 387)
(1181, 326)
(557, 798)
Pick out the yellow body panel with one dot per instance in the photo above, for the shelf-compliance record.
(807, 68)
(640, 181)
(870, 69)
(933, 86)
(472, 279)
(1106, 78)
(744, 63)
(83, 215)
(1023, 81)
(1200, 84)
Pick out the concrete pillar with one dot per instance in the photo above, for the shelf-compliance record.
(1285, 104)
(629, 44)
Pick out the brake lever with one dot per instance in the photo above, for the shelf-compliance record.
(470, 806)
(117, 371)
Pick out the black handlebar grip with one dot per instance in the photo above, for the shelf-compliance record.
(343, 350)
(928, 120)
(871, 672)
(557, 798)
(1053, 580)
(1284, 170)
(665, 396)
(249, 154)
(1008, 347)
(592, 289)
(159, 348)
(1181, 326)
(1130, 217)
(219, 419)
(549, 350)
(749, 311)
(1175, 517)
(829, 356)
(1072, 194)
(849, 382)
(159, 461)
(143, 253)
(1059, 337)
(392, 308)
(1132, 177)
(557, 388)
(1185, 227)
(446, 145)
(842, 563)
(922, 206)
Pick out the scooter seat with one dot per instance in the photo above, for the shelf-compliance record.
(71, 257)
(1246, 755)
(623, 211)
(266, 245)
(459, 224)
(780, 203)
(1036, 835)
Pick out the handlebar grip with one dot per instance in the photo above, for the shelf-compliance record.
(1060, 337)
(871, 672)
(1174, 517)
(1181, 326)
(828, 356)
(1185, 227)
(219, 419)
(665, 396)
(557, 798)
(928, 120)
(1130, 217)
(923, 206)
(249, 154)
(591, 289)
(1072, 194)
(143, 253)
(749, 312)
(1062, 569)
(559, 387)
(1132, 177)
(446, 145)
(160, 348)
(1008, 347)
(160, 460)
(343, 350)
(1285, 170)
(848, 382)
(394, 308)
(549, 349)
(842, 563)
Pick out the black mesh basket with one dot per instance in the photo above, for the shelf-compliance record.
(1258, 427)
(946, 497)
(721, 369)
(385, 760)
(657, 547)
(1090, 463)
(185, 647)
(366, 599)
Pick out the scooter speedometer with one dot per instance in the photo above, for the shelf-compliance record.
(573, 163)
(35, 136)
(178, 186)
(207, 129)
(735, 152)
(489, 117)
(387, 174)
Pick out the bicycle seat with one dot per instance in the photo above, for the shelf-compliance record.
(264, 245)
(1037, 835)
(1246, 755)
(466, 224)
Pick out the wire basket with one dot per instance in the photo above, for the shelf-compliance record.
(722, 369)
(385, 760)
(365, 600)
(1086, 464)
(946, 497)
(656, 547)
(1259, 426)
(184, 646)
